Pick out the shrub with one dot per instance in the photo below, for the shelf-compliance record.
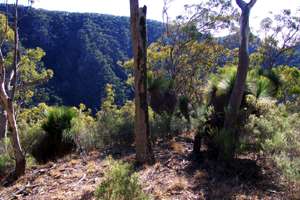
(276, 133)
(6, 162)
(30, 121)
(83, 130)
(261, 85)
(116, 125)
(120, 183)
(54, 143)
(161, 125)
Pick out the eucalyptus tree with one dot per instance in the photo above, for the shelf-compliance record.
(8, 83)
(20, 73)
(229, 134)
(280, 43)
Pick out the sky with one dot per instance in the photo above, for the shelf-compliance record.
(121, 7)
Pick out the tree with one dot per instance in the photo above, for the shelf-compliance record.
(8, 89)
(20, 72)
(231, 116)
(281, 42)
(144, 152)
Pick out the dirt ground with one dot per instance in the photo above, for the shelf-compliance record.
(175, 176)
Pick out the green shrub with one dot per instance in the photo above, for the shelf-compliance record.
(261, 86)
(59, 120)
(276, 133)
(161, 125)
(116, 125)
(6, 163)
(83, 130)
(55, 142)
(30, 121)
(120, 183)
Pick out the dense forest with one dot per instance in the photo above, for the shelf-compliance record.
(102, 107)
(83, 50)
(93, 46)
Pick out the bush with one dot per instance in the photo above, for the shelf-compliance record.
(120, 183)
(116, 125)
(83, 130)
(276, 133)
(54, 142)
(261, 86)
(6, 162)
(165, 125)
(30, 121)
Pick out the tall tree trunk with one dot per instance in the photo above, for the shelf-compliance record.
(229, 134)
(19, 154)
(7, 105)
(144, 153)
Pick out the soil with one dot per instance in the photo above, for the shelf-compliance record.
(176, 176)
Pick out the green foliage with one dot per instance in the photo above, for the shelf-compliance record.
(30, 122)
(165, 125)
(83, 50)
(290, 87)
(261, 87)
(6, 162)
(58, 120)
(83, 130)
(115, 125)
(32, 74)
(6, 33)
(31, 71)
(276, 133)
(120, 183)
(56, 141)
(260, 83)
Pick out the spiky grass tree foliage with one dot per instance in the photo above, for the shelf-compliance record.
(163, 99)
(260, 84)
(54, 142)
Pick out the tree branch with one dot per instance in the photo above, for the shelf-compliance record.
(242, 4)
(251, 3)
(16, 52)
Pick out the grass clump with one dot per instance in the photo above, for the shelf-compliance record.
(54, 142)
(120, 183)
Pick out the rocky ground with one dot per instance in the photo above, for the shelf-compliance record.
(176, 175)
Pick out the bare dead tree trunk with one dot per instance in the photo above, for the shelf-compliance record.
(232, 112)
(144, 153)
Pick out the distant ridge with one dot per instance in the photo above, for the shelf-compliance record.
(83, 50)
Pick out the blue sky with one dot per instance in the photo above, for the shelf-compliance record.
(121, 7)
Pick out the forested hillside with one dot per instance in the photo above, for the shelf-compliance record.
(184, 115)
(83, 50)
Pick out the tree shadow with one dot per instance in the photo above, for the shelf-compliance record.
(219, 180)
(9, 180)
